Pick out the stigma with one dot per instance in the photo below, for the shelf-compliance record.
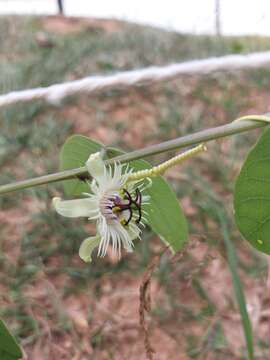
(123, 207)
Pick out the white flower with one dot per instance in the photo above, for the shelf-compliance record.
(114, 203)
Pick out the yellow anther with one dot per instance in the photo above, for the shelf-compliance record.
(116, 209)
(121, 193)
(123, 222)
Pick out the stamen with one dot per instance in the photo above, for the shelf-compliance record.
(116, 209)
(133, 204)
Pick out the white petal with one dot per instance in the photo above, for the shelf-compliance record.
(87, 247)
(125, 236)
(133, 231)
(75, 208)
(103, 230)
(95, 166)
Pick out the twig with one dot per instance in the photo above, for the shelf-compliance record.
(247, 123)
(145, 301)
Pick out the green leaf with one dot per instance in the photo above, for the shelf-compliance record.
(252, 195)
(75, 153)
(165, 215)
(9, 349)
(237, 286)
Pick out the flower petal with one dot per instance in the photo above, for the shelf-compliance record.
(75, 208)
(95, 166)
(87, 247)
(133, 231)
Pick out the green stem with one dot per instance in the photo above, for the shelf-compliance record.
(247, 123)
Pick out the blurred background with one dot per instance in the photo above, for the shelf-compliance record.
(61, 308)
(199, 17)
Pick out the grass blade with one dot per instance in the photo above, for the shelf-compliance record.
(232, 261)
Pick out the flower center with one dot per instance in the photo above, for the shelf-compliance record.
(123, 208)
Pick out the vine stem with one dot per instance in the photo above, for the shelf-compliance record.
(240, 125)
